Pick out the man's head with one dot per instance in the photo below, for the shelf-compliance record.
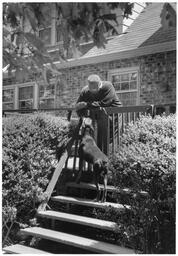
(94, 82)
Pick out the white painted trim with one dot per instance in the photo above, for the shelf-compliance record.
(24, 84)
(16, 97)
(7, 87)
(53, 25)
(124, 70)
(150, 49)
(126, 91)
(35, 96)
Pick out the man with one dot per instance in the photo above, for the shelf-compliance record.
(97, 94)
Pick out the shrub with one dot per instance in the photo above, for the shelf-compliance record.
(146, 160)
(32, 145)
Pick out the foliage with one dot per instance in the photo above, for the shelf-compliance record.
(32, 146)
(75, 22)
(146, 161)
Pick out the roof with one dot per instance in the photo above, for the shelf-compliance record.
(174, 6)
(146, 30)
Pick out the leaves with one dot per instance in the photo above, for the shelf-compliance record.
(28, 12)
(98, 35)
(146, 160)
(35, 41)
(77, 22)
(30, 147)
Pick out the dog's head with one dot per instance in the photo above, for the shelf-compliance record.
(87, 125)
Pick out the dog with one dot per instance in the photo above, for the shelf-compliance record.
(89, 152)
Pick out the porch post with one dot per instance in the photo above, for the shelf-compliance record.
(35, 96)
(16, 97)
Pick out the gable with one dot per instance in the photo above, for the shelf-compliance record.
(168, 16)
(146, 30)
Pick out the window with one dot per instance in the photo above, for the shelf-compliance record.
(26, 97)
(58, 28)
(45, 35)
(46, 96)
(125, 82)
(8, 99)
(46, 29)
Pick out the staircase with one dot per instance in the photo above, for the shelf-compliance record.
(84, 244)
(64, 230)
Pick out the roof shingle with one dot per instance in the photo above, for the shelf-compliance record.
(145, 30)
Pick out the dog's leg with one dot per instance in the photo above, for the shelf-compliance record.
(98, 189)
(81, 163)
(103, 200)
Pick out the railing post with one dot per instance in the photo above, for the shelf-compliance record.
(152, 110)
(104, 130)
(69, 115)
(101, 129)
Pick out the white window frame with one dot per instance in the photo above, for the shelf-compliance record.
(50, 97)
(52, 26)
(35, 94)
(120, 71)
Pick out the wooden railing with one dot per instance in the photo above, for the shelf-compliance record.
(109, 123)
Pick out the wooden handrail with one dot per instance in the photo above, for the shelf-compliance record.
(109, 110)
(58, 169)
(116, 110)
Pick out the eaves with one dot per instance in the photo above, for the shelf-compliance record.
(140, 51)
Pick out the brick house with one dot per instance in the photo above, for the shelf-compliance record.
(141, 64)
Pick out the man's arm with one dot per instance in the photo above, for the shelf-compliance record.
(81, 103)
(108, 97)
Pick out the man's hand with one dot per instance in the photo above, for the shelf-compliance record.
(80, 105)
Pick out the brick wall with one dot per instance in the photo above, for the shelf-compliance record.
(157, 78)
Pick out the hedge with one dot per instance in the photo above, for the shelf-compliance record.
(32, 145)
(146, 160)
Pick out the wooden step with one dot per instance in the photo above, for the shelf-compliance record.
(88, 202)
(22, 249)
(83, 185)
(77, 241)
(92, 222)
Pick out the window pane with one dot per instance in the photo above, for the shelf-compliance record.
(46, 103)
(45, 35)
(128, 98)
(8, 95)
(50, 90)
(26, 93)
(133, 76)
(7, 106)
(59, 36)
(133, 85)
(125, 77)
(124, 86)
(115, 78)
(46, 9)
(117, 86)
(26, 104)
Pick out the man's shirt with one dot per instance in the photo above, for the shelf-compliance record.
(104, 97)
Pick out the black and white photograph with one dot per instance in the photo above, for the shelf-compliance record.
(88, 127)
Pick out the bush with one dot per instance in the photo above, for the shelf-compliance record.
(32, 145)
(146, 160)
